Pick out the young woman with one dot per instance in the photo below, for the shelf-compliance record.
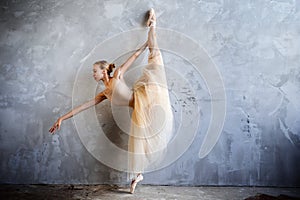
(151, 122)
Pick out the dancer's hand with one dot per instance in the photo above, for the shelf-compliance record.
(56, 126)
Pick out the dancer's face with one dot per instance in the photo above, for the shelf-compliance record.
(98, 72)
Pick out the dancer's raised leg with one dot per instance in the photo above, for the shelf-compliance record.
(154, 55)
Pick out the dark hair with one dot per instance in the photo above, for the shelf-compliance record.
(110, 68)
(106, 65)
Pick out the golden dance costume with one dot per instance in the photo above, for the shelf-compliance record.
(152, 118)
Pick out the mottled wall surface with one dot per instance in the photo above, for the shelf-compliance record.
(254, 44)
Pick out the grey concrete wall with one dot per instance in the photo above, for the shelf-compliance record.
(254, 44)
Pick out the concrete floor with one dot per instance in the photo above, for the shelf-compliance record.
(111, 192)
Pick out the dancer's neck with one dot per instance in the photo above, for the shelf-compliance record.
(106, 81)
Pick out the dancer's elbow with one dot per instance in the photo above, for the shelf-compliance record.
(99, 98)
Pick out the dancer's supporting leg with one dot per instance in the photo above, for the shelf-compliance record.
(135, 181)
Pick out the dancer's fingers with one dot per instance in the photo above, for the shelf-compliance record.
(52, 130)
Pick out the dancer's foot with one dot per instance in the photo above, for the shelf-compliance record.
(134, 182)
(152, 18)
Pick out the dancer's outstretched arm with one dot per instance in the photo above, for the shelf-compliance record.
(56, 126)
(122, 69)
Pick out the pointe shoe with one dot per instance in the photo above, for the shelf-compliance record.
(151, 19)
(134, 182)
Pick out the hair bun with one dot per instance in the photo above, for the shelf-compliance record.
(110, 68)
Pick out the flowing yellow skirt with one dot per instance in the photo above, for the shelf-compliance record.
(152, 121)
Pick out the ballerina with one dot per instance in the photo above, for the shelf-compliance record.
(149, 96)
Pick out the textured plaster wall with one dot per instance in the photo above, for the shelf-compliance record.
(254, 43)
